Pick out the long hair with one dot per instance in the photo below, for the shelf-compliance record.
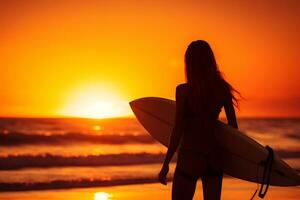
(203, 77)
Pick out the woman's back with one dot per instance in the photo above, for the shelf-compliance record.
(199, 134)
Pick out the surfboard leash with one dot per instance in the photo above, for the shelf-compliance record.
(266, 174)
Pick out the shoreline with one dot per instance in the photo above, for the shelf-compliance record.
(233, 189)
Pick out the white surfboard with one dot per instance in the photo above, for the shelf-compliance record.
(243, 156)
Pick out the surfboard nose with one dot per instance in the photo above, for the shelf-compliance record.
(139, 101)
(133, 103)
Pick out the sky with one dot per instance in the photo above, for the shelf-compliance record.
(90, 58)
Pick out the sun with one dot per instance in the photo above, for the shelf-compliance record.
(95, 102)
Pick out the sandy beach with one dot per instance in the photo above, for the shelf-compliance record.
(233, 189)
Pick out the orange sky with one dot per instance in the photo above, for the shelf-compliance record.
(80, 57)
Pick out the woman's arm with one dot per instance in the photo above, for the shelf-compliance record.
(230, 113)
(178, 126)
(175, 135)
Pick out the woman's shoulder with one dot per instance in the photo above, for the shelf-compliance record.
(181, 90)
(181, 87)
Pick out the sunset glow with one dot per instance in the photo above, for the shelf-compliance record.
(95, 102)
(50, 51)
(75, 123)
(96, 109)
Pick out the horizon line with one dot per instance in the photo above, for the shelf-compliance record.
(132, 116)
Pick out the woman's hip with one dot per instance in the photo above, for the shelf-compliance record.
(199, 164)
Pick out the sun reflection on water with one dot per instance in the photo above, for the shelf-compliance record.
(102, 196)
(97, 128)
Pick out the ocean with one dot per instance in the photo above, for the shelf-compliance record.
(65, 153)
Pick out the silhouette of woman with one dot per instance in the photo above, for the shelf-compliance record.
(198, 104)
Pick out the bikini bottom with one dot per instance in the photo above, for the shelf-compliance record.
(194, 165)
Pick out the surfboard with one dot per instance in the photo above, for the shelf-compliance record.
(244, 158)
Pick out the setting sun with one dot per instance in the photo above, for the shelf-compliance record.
(95, 102)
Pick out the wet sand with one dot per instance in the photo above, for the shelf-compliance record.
(233, 189)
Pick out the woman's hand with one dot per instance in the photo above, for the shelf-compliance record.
(162, 176)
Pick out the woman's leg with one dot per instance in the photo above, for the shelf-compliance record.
(184, 186)
(212, 186)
